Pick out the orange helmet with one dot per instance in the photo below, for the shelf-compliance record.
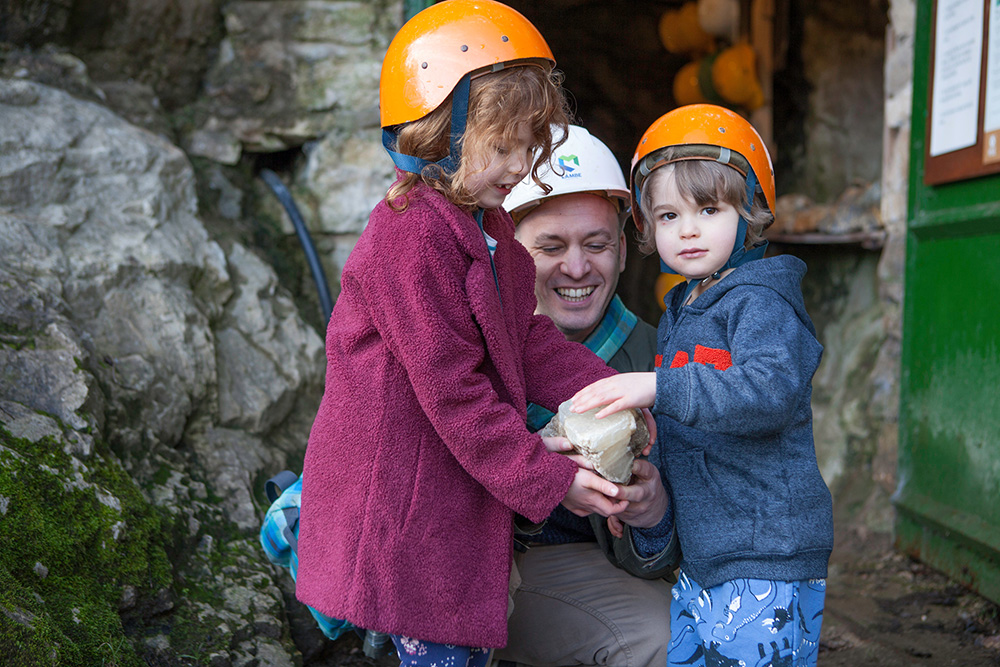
(710, 133)
(436, 48)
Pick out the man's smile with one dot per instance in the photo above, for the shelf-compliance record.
(575, 293)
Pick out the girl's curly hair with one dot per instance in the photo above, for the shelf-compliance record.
(499, 102)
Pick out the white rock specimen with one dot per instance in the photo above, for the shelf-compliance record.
(610, 443)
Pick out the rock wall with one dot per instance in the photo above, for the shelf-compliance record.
(160, 353)
(151, 375)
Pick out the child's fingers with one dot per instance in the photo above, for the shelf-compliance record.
(616, 527)
(591, 396)
(595, 482)
(611, 408)
(581, 461)
(610, 489)
(615, 507)
(557, 443)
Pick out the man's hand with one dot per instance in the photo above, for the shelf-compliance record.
(618, 392)
(651, 427)
(647, 499)
(591, 493)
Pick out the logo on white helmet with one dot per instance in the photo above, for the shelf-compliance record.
(570, 165)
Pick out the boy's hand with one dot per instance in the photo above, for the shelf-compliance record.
(591, 493)
(616, 527)
(618, 392)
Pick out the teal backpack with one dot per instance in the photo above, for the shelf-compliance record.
(279, 536)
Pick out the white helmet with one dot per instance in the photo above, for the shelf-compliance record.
(582, 164)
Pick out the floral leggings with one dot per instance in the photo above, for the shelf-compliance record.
(419, 653)
(746, 622)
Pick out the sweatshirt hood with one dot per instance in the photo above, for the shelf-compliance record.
(782, 274)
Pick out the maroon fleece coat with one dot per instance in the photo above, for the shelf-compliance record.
(419, 456)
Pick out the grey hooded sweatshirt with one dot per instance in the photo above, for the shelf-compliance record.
(734, 428)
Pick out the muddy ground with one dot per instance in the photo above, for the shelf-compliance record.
(887, 610)
(882, 609)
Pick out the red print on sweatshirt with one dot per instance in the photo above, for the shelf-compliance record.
(720, 359)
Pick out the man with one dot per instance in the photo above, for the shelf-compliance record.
(574, 605)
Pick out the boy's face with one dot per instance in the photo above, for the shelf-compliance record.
(579, 251)
(695, 241)
(497, 173)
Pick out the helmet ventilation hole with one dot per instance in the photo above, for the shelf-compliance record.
(504, 38)
(464, 48)
(423, 65)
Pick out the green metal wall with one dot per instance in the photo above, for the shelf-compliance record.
(948, 499)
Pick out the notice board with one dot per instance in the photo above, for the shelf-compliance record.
(963, 126)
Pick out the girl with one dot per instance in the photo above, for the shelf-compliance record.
(731, 397)
(419, 457)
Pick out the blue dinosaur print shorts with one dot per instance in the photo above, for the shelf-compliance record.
(746, 623)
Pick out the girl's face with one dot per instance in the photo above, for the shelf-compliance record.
(495, 174)
(695, 241)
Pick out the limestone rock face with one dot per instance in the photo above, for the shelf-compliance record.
(289, 72)
(149, 375)
(610, 443)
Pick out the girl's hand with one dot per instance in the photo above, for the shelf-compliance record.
(618, 392)
(591, 493)
(616, 527)
(557, 444)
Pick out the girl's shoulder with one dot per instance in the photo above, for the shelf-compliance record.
(426, 211)
(428, 221)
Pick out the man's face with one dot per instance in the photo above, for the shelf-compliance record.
(579, 251)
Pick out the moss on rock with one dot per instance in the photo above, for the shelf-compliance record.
(76, 536)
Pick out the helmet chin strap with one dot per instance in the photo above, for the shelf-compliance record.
(449, 163)
(740, 254)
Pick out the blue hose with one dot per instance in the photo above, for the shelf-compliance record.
(315, 266)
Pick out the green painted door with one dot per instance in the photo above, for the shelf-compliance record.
(948, 498)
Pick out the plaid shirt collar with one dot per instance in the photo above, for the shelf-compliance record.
(604, 341)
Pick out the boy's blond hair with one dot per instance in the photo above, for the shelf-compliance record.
(498, 103)
(704, 182)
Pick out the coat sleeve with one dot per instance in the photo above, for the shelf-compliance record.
(556, 368)
(419, 301)
(774, 355)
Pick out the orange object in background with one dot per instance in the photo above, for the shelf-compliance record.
(728, 77)
(681, 33)
(686, 87)
(664, 283)
(734, 77)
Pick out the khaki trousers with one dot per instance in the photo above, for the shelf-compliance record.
(573, 607)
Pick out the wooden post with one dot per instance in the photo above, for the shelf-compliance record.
(762, 41)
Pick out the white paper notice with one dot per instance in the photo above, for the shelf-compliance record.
(991, 122)
(958, 50)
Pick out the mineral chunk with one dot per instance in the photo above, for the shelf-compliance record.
(610, 443)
